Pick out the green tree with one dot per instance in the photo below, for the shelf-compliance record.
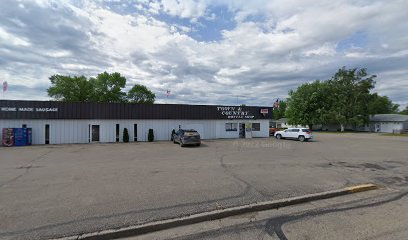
(308, 104)
(405, 111)
(141, 94)
(108, 87)
(70, 89)
(350, 95)
(381, 105)
(280, 112)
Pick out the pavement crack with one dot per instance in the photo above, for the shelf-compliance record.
(27, 168)
(248, 187)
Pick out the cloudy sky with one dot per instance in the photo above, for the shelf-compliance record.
(204, 51)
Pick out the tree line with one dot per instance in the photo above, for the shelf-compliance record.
(105, 87)
(345, 98)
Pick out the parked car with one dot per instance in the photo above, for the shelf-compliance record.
(272, 131)
(303, 134)
(187, 137)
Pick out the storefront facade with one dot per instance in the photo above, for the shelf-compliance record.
(60, 122)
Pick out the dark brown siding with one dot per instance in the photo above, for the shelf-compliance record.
(118, 111)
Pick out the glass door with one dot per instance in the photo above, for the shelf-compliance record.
(242, 130)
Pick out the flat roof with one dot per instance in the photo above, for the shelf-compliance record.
(389, 118)
(23, 109)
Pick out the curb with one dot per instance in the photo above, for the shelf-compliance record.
(216, 214)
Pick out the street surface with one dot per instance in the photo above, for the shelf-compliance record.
(381, 214)
(62, 190)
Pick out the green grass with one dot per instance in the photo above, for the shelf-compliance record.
(334, 132)
(395, 135)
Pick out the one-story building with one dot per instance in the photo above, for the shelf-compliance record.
(282, 123)
(389, 123)
(385, 123)
(52, 122)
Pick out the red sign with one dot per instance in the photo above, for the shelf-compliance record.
(264, 111)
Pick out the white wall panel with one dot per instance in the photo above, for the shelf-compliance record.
(77, 131)
(262, 133)
(389, 127)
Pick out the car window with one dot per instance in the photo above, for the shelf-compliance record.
(305, 130)
(190, 133)
(295, 130)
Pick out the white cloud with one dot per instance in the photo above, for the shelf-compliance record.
(324, 50)
(8, 38)
(185, 8)
(288, 42)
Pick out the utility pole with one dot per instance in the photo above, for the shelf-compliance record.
(238, 96)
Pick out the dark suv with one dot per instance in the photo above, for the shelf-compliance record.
(187, 137)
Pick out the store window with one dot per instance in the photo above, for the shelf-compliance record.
(231, 127)
(256, 127)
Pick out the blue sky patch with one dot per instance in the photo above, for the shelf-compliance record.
(356, 40)
(207, 28)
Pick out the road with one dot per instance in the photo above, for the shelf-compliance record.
(381, 214)
(54, 191)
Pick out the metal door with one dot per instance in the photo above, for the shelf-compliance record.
(95, 133)
(47, 134)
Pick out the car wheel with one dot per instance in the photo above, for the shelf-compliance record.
(278, 136)
(302, 138)
(198, 144)
(174, 141)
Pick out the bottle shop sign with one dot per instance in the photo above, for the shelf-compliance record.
(235, 112)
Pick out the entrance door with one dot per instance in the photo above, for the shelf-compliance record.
(95, 133)
(242, 130)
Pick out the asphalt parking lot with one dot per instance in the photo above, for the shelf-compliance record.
(61, 190)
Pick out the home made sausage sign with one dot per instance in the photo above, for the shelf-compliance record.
(27, 109)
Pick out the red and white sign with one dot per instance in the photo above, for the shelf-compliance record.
(264, 111)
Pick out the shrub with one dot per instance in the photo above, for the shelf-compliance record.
(150, 136)
(172, 134)
(125, 135)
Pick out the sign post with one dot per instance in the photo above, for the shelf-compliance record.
(167, 95)
(5, 88)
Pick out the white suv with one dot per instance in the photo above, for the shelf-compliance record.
(303, 134)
